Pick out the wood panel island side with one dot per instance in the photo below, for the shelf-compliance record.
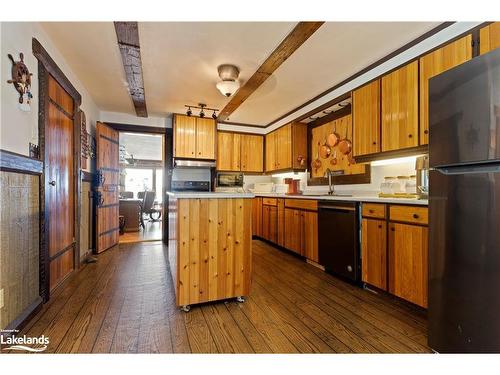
(210, 246)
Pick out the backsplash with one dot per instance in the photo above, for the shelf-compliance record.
(397, 167)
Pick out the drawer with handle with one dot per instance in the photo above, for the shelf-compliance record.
(409, 214)
(269, 201)
(373, 210)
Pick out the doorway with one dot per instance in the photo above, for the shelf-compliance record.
(145, 164)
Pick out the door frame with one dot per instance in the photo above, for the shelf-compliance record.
(167, 160)
(47, 66)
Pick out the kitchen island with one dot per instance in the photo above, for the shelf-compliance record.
(210, 246)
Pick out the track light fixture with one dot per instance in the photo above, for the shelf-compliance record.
(202, 107)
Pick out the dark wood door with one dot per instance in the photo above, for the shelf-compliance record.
(107, 199)
(60, 183)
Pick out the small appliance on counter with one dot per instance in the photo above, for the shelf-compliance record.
(191, 179)
(422, 168)
(262, 188)
(293, 186)
(229, 182)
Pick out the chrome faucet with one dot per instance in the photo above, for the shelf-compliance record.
(331, 185)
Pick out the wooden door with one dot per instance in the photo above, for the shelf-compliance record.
(374, 252)
(257, 216)
(107, 189)
(366, 119)
(271, 151)
(252, 153)
(310, 235)
(60, 184)
(293, 230)
(489, 38)
(184, 136)
(408, 262)
(283, 147)
(435, 63)
(228, 151)
(400, 108)
(205, 138)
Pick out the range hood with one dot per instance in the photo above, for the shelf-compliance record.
(189, 163)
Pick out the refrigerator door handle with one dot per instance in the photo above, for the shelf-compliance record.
(469, 169)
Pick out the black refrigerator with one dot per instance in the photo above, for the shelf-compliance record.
(464, 208)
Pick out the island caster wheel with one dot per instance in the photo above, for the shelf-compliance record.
(240, 299)
(185, 308)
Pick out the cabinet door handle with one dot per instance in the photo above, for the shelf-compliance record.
(426, 131)
(415, 216)
(410, 135)
(380, 226)
(374, 143)
(371, 211)
(392, 229)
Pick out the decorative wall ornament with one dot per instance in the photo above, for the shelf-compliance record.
(21, 79)
(84, 140)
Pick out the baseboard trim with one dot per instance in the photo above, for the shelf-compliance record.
(26, 315)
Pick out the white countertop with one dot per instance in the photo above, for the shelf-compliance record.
(354, 198)
(208, 194)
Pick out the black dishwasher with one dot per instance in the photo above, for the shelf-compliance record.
(338, 243)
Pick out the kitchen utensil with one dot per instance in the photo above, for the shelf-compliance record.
(333, 160)
(316, 164)
(345, 145)
(333, 138)
(325, 150)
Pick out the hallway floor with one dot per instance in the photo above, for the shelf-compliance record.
(124, 303)
(151, 232)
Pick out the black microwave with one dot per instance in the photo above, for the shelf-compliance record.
(225, 179)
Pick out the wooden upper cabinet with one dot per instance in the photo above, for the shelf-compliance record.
(299, 145)
(286, 148)
(366, 119)
(228, 151)
(184, 136)
(400, 108)
(434, 63)
(252, 153)
(194, 137)
(489, 38)
(270, 151)
(206, 130)
(283, 147)
(408, 262)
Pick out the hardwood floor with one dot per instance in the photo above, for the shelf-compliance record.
(124, 303)
(151, 232)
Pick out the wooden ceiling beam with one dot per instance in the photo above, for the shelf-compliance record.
(300, 33)
(127, 34)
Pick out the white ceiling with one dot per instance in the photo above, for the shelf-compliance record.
(142, 146)
(333, 53)
(180, 61)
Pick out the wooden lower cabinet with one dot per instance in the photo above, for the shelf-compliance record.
(270, 223)
(293, 230)
(281, 222)
(257, 217)
(374, 252)
(310, 225)
(408, 262)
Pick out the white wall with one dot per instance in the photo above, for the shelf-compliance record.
(125, 118)
(18, 128)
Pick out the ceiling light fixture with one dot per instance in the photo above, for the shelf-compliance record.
(229, 75)
(202, 107)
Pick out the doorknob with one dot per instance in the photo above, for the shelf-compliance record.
(52, 183)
